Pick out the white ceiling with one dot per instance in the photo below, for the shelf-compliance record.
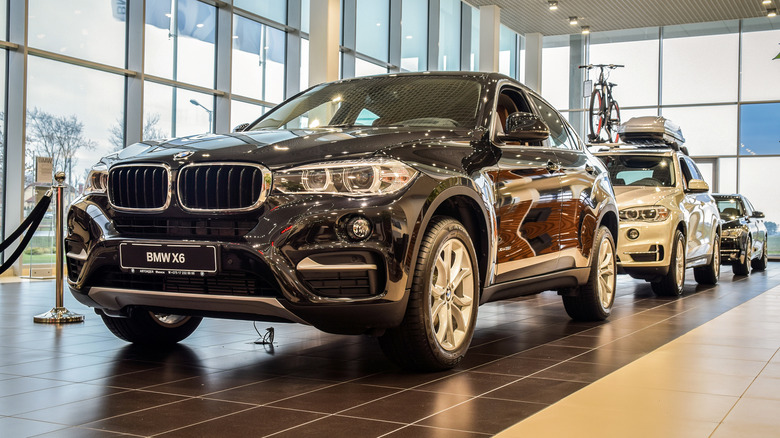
(534, 16)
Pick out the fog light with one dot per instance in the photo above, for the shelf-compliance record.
(633, 234)
(359, 228)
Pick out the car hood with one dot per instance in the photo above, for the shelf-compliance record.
(731, 224)
(278, 149)
(632, 196)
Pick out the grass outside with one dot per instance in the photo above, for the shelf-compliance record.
(37, 258)
(774, 245)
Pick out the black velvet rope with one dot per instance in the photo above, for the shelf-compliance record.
(30, 224)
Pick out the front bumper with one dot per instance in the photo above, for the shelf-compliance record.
(294, 265)
(647, 256)
(731, 250)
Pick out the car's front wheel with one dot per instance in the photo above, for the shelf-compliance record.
(593, 300)
(760, 263)
(153, 329)
(671, 284)
(742, 266)
(709, 274)
(441, 314)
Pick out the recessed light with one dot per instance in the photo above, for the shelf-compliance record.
(553, 4)
(573, 20)
(585, 30)
(766, 2)
(771, 12)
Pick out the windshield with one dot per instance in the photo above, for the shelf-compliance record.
(730, 208)
(644, 170)
(432, 101)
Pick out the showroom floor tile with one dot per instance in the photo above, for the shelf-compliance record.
(80, 381)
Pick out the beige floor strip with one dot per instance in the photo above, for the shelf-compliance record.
(719, 380)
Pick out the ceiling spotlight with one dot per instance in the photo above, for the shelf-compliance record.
(585, 30)
(553, 4)
(572, 20)
(766, 2)
(771, 12)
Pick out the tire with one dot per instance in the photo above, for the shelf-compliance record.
(152, 329)
(430, 340)
(596, 112)
(672, 283)
(709, 274)
(742, 266)
(614, 121)
(760, 263)
(594, 299)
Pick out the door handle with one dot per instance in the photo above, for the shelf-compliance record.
(590, 169)
(553, 167)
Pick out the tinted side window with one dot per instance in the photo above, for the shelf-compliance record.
(695, 172)
(559, 136)
(687, 175)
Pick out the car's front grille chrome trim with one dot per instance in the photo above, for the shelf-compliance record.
(222, 186)
(139, 187)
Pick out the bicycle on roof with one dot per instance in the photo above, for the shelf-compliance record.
(603, 111)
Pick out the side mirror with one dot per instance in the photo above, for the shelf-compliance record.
(526, 127)
(698, 186)
(758, 214)
(240, 127)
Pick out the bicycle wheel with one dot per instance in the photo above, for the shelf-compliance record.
(597, 112)
(613, 123)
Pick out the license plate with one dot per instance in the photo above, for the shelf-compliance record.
(149, 258)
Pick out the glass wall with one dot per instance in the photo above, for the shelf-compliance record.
(414, 35)
(507, 52)
(449, 35)
(258, 60)
(474, 52)
(179, 43)
(373, 18)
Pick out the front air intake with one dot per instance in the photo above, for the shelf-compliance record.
(223, 187)
(142, 187)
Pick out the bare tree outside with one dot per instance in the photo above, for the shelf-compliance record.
(150, 132)
(59, 137)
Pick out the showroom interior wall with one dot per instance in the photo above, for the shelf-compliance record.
(101, 74)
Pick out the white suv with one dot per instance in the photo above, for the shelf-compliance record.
(668, 220)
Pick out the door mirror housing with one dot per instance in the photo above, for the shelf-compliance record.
(240, 127)
(758, 214)
(698, 186)
(524, 126)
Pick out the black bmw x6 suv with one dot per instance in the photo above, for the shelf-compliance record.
(391, 205)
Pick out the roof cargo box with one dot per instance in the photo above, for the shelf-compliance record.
(651, 129)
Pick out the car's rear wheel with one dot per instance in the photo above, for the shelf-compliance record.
(742, 266)
(441, 314)
(709, 274)
(672, 283)
(593, 300)
(153, 329)
(760, 263)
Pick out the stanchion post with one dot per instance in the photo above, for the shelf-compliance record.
(59, 314)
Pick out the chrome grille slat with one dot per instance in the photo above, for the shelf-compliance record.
(222, 187)
(139, 187)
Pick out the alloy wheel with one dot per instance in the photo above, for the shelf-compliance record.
(606, 274)
(451, 295)
(169, 320)
(680, 264)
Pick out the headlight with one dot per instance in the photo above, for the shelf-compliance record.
(645, 214)
(97, 180)
(355, 177)
(732, 232)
